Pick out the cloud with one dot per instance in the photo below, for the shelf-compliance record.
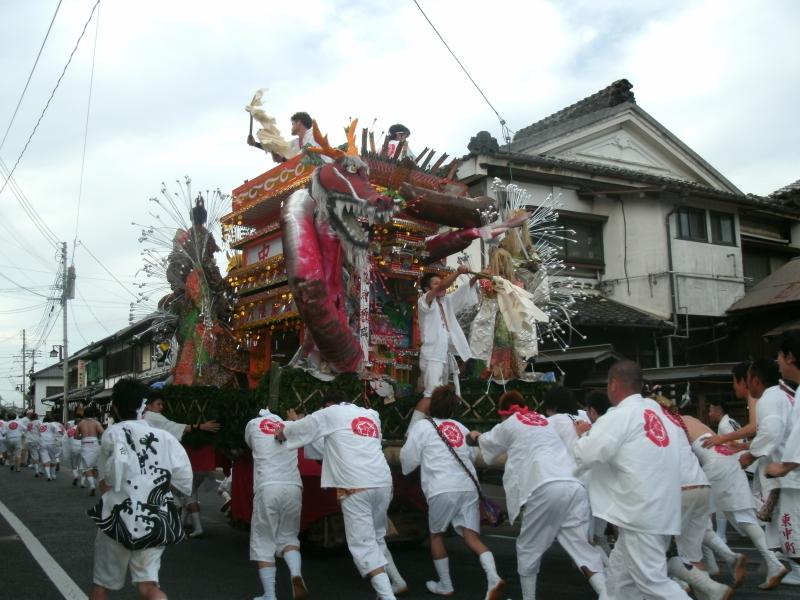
(172, 78)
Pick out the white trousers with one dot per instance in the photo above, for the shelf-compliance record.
(789, 522)
(13, 448)
(637, 568)
(90, 453)
(365, 525)
(695, 511)
(49, 454)
(459, 509)
(558, 510)
(276, 520)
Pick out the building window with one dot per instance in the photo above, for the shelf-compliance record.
(586, 247)
(692, 224)
(722, 228)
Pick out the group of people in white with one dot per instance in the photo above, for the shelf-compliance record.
(43, 444)
(638, 467)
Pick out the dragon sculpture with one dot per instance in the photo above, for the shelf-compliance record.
(325, 241)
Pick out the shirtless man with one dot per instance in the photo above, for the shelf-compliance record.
(89, 432)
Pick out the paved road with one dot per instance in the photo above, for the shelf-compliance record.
(216, 566)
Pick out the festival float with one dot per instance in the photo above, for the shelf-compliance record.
(325, 253)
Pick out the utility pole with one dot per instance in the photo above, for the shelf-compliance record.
(67, 292)
(24, 372)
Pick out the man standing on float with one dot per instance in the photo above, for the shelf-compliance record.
(441, 334)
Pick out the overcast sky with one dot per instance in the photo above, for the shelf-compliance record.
(172, 79)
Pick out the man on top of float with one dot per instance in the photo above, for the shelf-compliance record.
(441, 334)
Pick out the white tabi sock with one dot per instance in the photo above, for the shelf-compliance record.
(399, 584)
(417, 415)
(92, 483)
(487, 562)
(442, 566)
(699, 580)
(267, 577)
(293, 562)
(528, 585)
(52, 471)
(383, 587)
(719, 547)
(759, 539)
(598, 583)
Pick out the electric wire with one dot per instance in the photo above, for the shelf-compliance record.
(19, 285)
(106, 269)
(52, 94)
(85, 136)
(33, 215)
(91, 312)
(506, 130)
(30, 75)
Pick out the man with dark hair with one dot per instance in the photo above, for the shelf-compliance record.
(718, 415)
(440, 333)
(138, 465)
(541, 488)
(301, 128)
(399, 133)
(438, 447)
(635, 484)
(561, 410)
(596, 403)
(354, 464)
(88, 432)
(773, 411)
(787, 468)
(741, 391)
(277, 503)
(203, 469)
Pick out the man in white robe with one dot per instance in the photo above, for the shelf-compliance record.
(539, 484)
(136, 515)
(438, 446)
(32, 441)
(50, 446)
(276, 507)
(14, 429)
(441, 335)
(153, 415)
(773, 410)
(353, 463)
(635, 484)
(787, 468)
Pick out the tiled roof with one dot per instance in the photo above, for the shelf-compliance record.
(597, 311)
(618, 92)
(787, 190)
(667, 183)
(781, 287)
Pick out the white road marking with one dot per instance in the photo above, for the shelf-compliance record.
(63, 582)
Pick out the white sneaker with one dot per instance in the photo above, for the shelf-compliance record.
(438, 588)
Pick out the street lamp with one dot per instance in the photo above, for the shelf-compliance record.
(59, 353)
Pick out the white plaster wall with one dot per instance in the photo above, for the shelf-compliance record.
(40, 392)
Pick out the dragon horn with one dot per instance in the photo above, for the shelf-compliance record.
(352, 149)
(324, 145)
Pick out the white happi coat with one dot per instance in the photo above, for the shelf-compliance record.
(439, 472)
(273, 463)
(635, 468)
(352, 457)
(536, 456)
(791, 452)
(159, 421)
(727, 425)
(791, 448)
(773, 411)
(438, 338)
(564, 425)
(730, 490)
(14, 429)
(50, 434)
(692, 473)
(33, 436)
(140, 463)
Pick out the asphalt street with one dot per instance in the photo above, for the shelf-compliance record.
(216, 566)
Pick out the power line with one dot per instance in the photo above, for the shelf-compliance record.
(30, 75)
(114, 277)
(19, 285)
(52, 94)
(23, 201)
(506, 131)
(91, 312)
(85, 137)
